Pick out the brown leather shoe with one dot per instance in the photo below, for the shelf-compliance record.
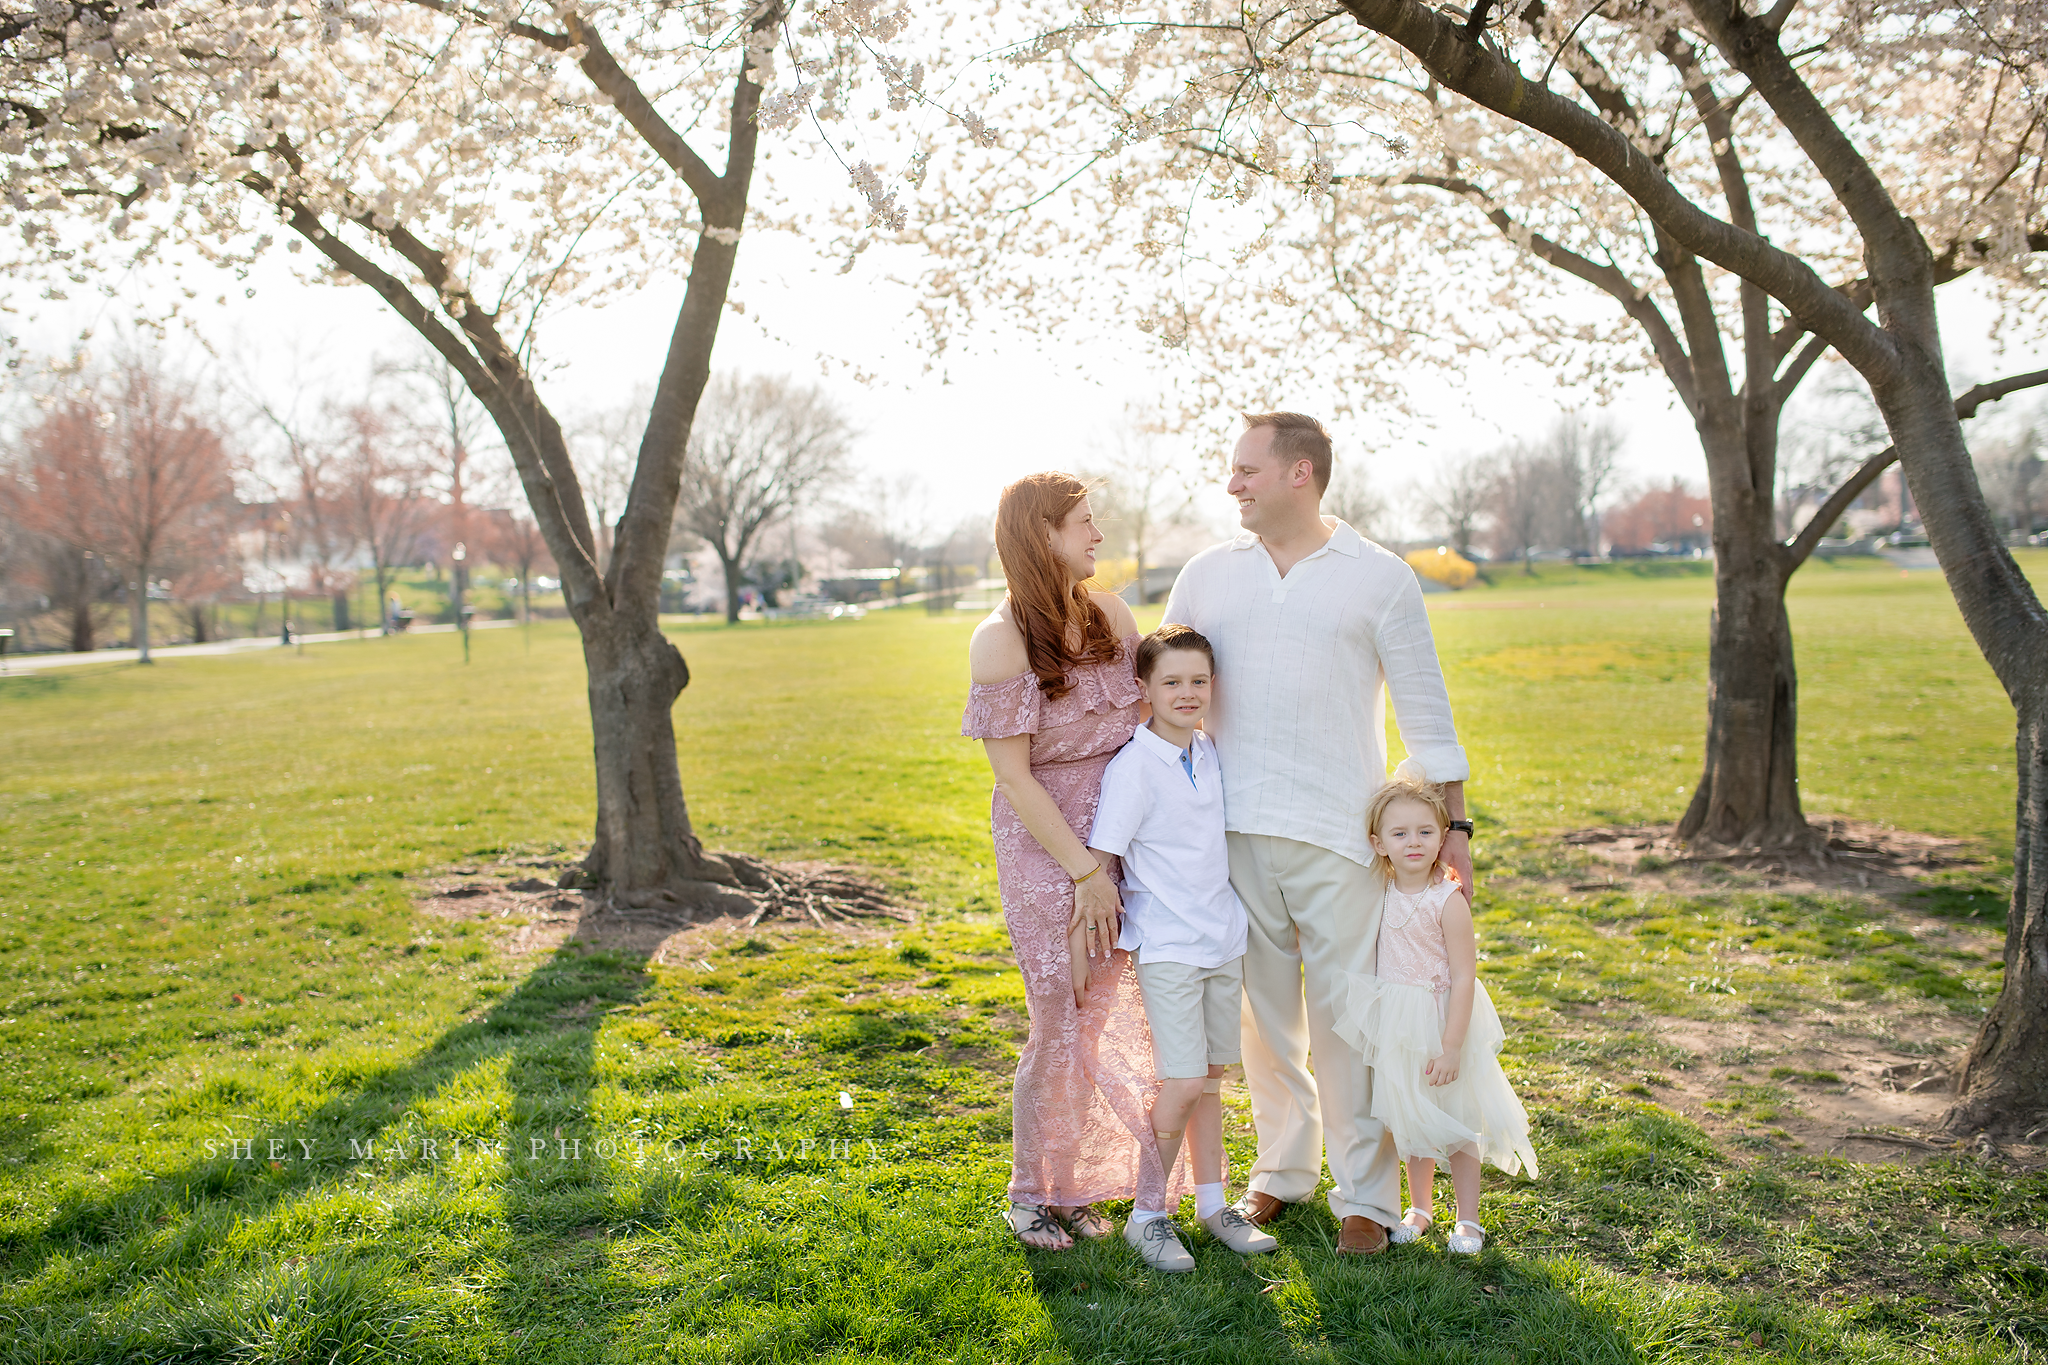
(1260, 1208)
(1361, 1236)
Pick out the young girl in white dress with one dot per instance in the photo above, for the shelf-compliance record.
(1424, 1022)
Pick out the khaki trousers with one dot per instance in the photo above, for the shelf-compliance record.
(1314, 916)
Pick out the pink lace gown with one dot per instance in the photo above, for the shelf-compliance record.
(1081, 1100)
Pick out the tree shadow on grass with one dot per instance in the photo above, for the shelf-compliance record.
(179, 1267)
(1304, 1302)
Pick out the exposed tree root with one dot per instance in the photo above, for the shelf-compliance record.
(815, 894)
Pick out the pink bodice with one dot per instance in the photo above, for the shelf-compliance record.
(1412, 947)
(1093, 720)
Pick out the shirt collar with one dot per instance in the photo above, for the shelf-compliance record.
(1162, 750)
(1343, 540)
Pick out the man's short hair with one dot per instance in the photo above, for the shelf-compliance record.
(1298, 436)
(1165, 639)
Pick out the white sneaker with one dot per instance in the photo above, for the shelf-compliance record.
(1156, 1243)
(1235, 1231)
(1462, 1243)
(1409, 1228)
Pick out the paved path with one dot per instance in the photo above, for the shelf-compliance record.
(36, 663)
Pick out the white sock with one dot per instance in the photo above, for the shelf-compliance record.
(1144, 1216)
(1209, 1200)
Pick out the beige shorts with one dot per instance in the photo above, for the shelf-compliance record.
(1195, 1015)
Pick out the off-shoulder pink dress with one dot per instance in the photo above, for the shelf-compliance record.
(1082, 1096)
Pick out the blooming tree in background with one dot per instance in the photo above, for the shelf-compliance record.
(480, 164)
(123, 468)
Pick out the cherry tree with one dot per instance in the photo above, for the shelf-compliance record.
(1281, 197)
(480, 164)
(1733, 179)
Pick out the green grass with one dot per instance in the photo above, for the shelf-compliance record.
(206, 935)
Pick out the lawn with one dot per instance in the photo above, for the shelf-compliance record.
(257, 1106)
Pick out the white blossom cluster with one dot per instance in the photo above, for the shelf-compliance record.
(477, 152)
(1279, 192)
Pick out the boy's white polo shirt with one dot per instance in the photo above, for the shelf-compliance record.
(1178, 905)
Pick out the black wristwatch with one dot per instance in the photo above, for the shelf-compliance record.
(1463, 827)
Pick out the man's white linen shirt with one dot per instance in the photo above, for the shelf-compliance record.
(1178, 905)
(1304, 665)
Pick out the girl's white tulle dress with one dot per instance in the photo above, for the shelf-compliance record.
(1396, 1020)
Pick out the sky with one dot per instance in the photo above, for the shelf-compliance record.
(1001, 406)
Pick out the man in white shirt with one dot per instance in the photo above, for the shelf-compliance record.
(1313, 625)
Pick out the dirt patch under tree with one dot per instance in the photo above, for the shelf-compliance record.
(532, 913)
(1869, 1083)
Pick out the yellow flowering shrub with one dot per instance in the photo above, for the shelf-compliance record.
(1444, 565)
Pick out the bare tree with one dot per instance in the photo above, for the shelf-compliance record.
(1357, 501)
(1586, 451)
(759, 445)
(321, 524)
(1457, 493)
(453, 424)
(1143, 480)
(518, 543)
(2009, 470)
(1526, 496)
(605, 445)
(381, 492)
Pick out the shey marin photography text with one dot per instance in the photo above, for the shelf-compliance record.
(637, 1149)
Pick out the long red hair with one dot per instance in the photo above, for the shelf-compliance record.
(1044, 598)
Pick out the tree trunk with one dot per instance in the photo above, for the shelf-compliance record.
(341, 610)
(2004, 1080)
(732, 588)
(142, 615)
(199, 612)
(2003, 1084)
(645, 851)
(1748, 793)
(81, 623)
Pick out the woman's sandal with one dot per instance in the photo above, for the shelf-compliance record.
(1085, 1220)
(1405, 1231)
(1462, 1243)
(1028, 1219)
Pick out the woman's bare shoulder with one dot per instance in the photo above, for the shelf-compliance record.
(1118, 611)
(996, 652)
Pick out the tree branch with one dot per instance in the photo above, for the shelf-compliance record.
(634, 106)
(1758, 358)
(561, 519)
(1801, 546)
(560, 42)
(1751, 47)
(1789, 379)
(1671, 355)
(1490, 80)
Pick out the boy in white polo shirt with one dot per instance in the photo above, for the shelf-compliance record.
(1161, 812)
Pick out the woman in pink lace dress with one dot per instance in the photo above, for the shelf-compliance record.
(1053, 698)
